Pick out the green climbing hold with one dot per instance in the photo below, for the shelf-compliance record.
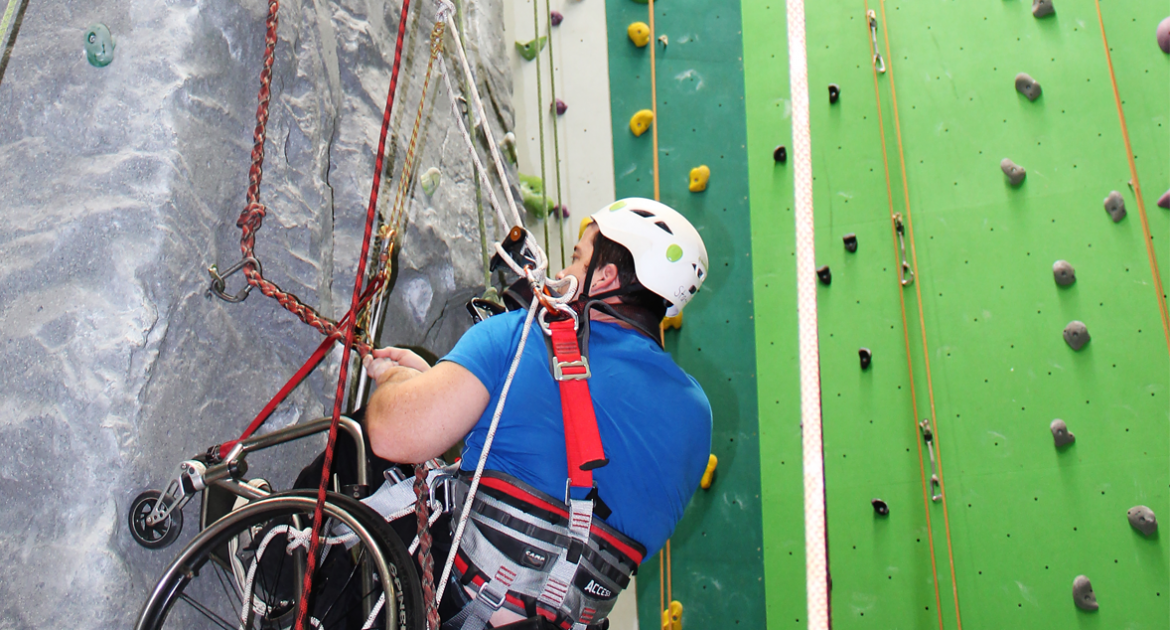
(99, 46)
(532, 194)
(617, 205)
(430, 180)
(530, 50)
(673, 253)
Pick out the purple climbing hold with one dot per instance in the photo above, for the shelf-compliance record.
(1164, 200)
(1164, 35)
(556, 18)
(563, 210)
(559, 107)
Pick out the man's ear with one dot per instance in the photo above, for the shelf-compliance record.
(605, 279)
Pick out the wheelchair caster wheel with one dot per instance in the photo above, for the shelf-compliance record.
(160, 534)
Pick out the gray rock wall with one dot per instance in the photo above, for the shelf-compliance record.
(120, 185)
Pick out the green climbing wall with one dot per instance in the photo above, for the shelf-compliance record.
(1024, 518)
(717, 560)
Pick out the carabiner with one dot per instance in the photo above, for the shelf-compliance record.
(878, 63)
(219, 281)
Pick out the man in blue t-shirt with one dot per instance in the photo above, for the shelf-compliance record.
(642, 260)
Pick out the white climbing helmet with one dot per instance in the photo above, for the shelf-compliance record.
(670, 259)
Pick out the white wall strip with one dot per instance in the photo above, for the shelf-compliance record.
(815, 549)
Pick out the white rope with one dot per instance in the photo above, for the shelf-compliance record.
(815, 550)
(487, 445)
(481, 115)
(374, 613)
(479, 167)
(296, 538)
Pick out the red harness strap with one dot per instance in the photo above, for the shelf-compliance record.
(571, 370)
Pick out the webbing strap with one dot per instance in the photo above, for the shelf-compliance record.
(582, 440)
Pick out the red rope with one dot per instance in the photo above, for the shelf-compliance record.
(371, 214)
(422, 504)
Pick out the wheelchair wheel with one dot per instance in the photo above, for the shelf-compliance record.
(246, 571)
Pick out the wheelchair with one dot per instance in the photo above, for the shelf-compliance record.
(245, 567)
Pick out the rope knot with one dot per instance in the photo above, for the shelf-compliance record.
(252, 216)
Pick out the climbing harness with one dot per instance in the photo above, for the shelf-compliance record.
(900, 233)
(1159, 292)
(812, 440)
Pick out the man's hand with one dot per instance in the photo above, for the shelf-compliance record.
(381, 365)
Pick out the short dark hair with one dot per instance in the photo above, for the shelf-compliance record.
(605, 252)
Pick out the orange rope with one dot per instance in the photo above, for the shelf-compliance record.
(1137, 188)
(906, 333)
(921, 318)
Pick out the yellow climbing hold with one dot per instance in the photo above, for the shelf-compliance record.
(640, 121)
(699, 177)
(584, 226)
(709, 474)
(672, 322)
(639, 34)
(672, 616)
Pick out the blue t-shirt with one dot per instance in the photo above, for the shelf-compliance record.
(654, 421)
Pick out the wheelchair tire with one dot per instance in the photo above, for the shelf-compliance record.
(153, 536)
(206, 585)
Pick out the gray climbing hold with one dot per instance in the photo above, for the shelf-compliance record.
(1164, 35)
(1142, 519)
(430, 180)
(1083, 595)
(1115, 206)
(1015, 173)
(1042, 8)
(1076, 335)
(1061, 434)
(1027, 86)
(1164, 200)
(1064, 273)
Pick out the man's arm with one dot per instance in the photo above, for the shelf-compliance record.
(418, 412)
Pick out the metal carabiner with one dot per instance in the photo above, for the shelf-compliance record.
(906, 275)
(878, 63)
(219, 281)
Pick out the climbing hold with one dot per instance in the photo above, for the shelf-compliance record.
(709, 474)
(866, 357)
(563, 211)
(664, 40)
(1115, 206)
(99, 46)
(825, 275)
(1141, 518)
(532, 195)
(508, 144)
(559, 107)
(556, 18)
(1015, 173)
(1076, 335)
(639, 33)
(1164, 35)
(1027, 86)
(1042, 8)
(1060, 433)
(1064, 273)
(529, 50)
(850, 241)
(1083, 595)
(780, 154)
(674, 322)
(834, 93)
(430, 180)
(640, 121)
(1164, 200)
(880, 508)
(699, 176)
(672, 616)
(584, 226)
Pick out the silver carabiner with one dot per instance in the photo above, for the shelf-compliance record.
(878, 63)
(219, 281)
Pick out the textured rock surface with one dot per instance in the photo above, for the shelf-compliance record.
(120, 185)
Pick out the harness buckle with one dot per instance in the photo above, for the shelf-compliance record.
(559, 370)
(490, 596)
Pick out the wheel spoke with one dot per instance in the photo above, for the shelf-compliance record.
(207, 612)
(356, 567)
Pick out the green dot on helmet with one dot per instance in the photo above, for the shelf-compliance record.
(673, 253)
(617, 205)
